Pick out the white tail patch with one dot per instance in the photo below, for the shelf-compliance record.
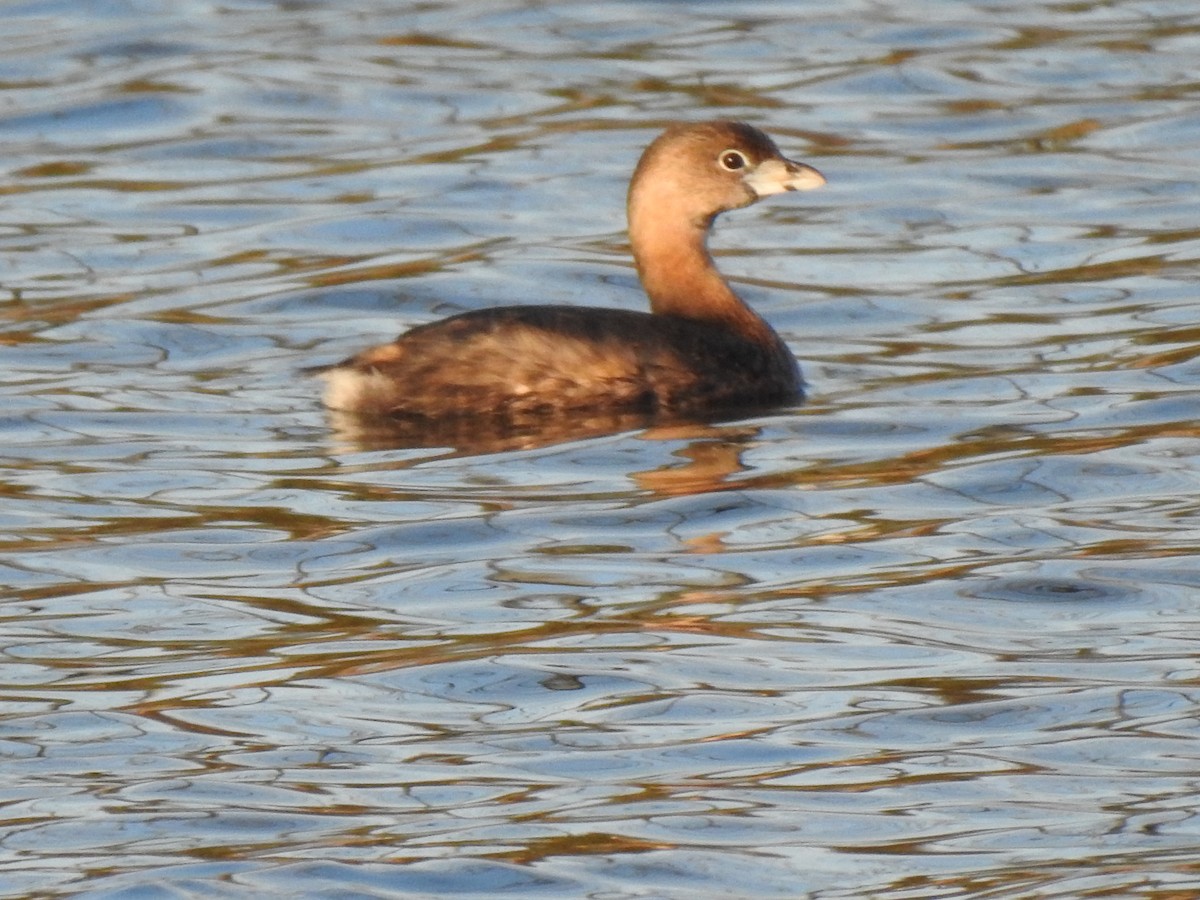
(355, 390)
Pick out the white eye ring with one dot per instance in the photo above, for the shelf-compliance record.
(732, 160)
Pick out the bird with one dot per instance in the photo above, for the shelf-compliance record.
(699, 350)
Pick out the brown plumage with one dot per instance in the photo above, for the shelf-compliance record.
(700, 348)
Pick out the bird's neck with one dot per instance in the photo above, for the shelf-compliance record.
(681, 279)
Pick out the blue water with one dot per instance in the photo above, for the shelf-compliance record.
(931, 634)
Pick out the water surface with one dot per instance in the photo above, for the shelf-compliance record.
(931, 634)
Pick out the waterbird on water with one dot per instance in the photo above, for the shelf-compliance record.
(700, 349)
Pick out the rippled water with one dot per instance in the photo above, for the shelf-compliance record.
(932, 634)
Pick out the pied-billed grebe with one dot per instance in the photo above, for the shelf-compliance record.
(700, 349)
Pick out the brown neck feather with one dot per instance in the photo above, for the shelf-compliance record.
(680, 278)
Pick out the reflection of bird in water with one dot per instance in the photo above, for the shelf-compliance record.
(700, 350)
(703, 457)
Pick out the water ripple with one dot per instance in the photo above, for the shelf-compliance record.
(930, 633)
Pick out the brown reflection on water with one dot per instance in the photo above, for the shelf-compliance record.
(712, 456)
(343, 271)
(590, 843)
(463, 436)
(709, 458)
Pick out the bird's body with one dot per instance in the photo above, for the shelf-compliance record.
(699, 349)
(523, 360)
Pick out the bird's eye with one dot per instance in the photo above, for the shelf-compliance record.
(732, 160)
